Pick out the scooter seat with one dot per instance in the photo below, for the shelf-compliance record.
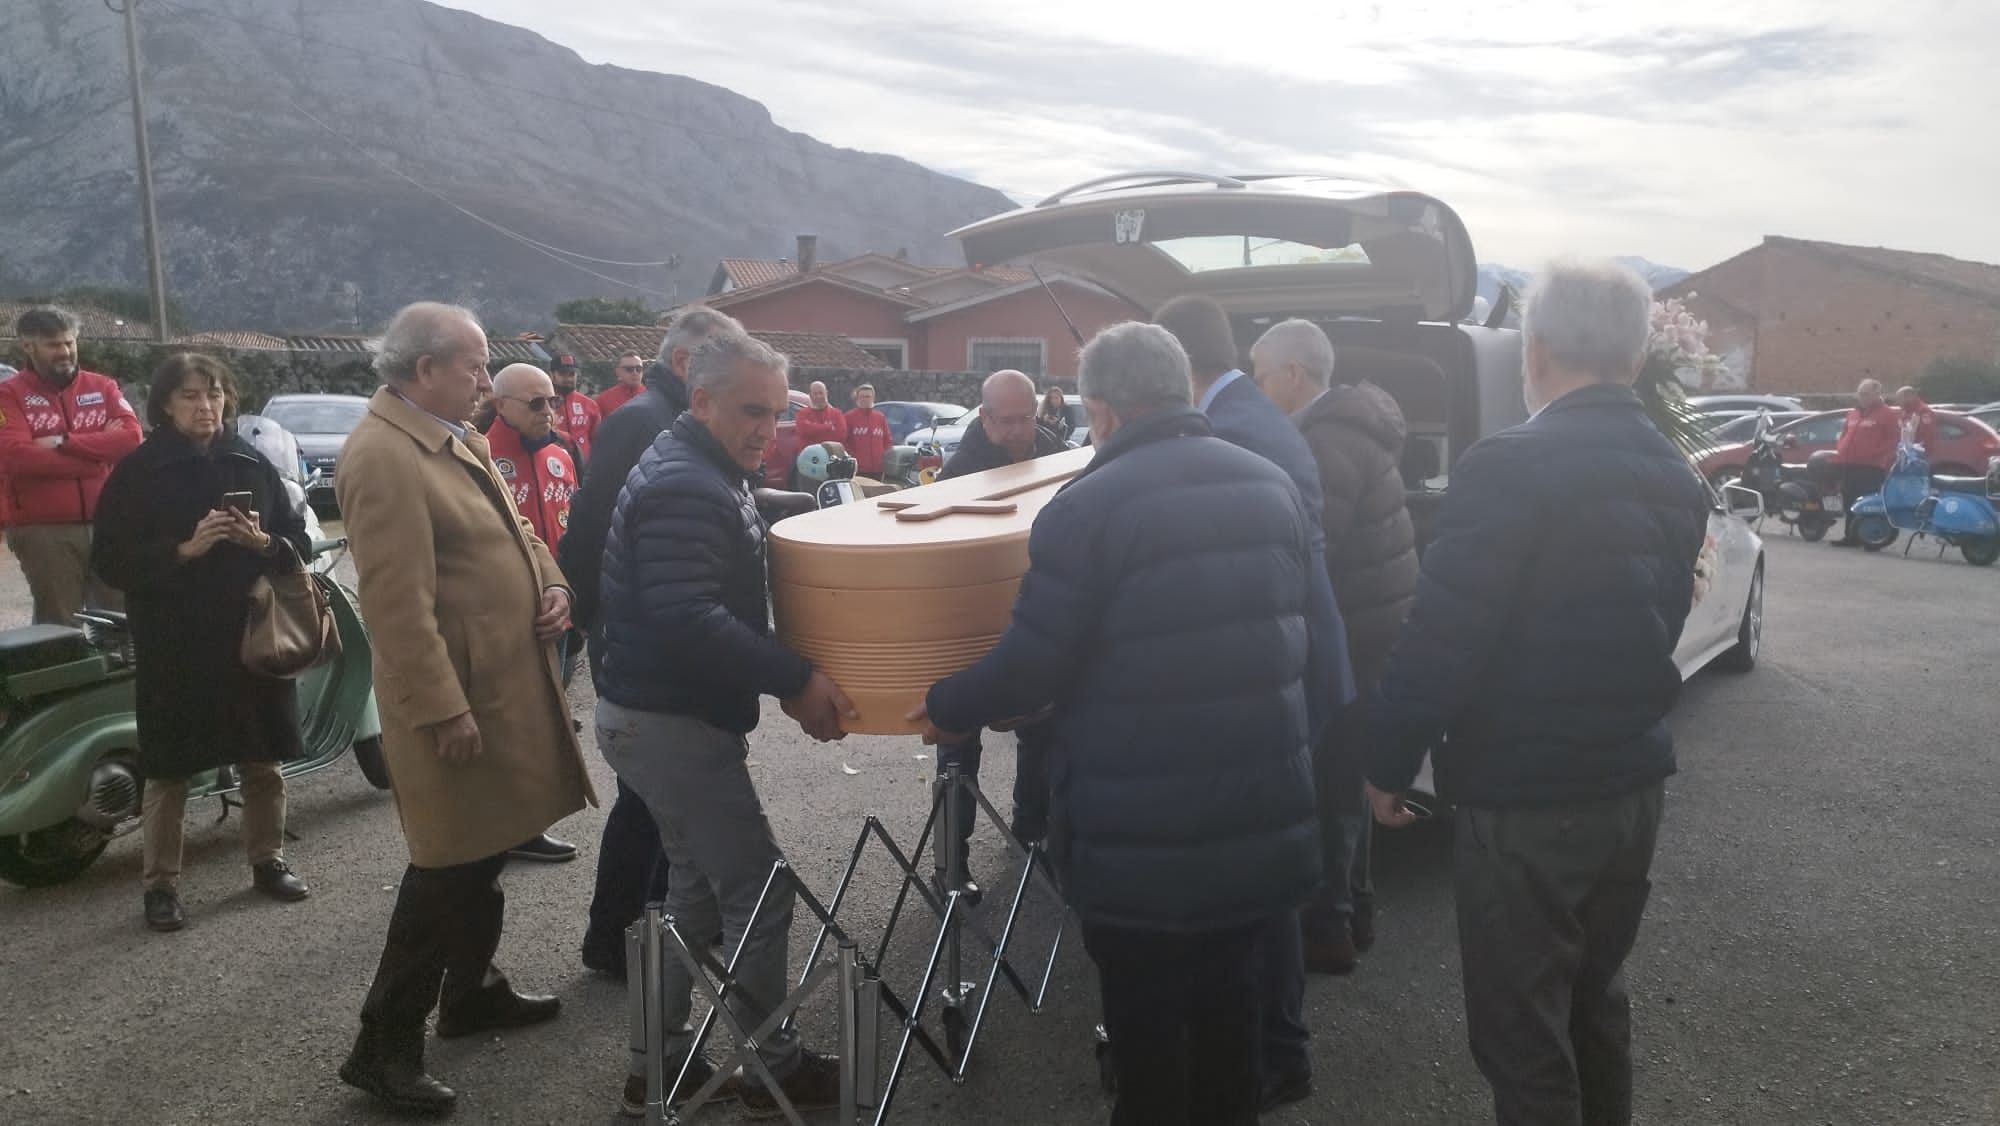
(26, 648)
(1974, 485)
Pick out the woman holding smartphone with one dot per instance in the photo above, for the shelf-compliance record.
(186, 524)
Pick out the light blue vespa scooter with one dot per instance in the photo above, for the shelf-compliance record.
(1955, 511)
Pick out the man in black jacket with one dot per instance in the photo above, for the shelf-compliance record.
(1540, 649)
(1006, 432)
(631, 868)
(1241, 415)
(1355, 432)
(687, 652)
(1163, 617)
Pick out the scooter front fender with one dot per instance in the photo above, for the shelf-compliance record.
(47, 758)
(1871, 505)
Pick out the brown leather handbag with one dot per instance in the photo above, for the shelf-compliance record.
(290, 628)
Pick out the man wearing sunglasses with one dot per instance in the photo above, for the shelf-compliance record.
(540, 473)
(631, 380)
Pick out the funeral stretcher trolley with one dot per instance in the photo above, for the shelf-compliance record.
(886, 595)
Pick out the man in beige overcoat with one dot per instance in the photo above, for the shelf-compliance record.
(464, 604)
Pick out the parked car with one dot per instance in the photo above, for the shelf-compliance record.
(320, 423)
(783, 455)
(904, 417)
(1708, 404)
(1743, 427)
(1988, 414)
(1963, 445)
(1391, 274)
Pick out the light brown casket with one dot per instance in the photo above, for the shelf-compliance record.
(890, 594)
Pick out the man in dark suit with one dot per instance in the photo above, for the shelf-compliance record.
(1239, 413)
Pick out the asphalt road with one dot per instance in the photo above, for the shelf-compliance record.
(1820, 947)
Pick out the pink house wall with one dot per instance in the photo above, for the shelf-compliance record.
(1029, 313)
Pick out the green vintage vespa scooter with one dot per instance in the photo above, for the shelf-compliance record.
(69, 777)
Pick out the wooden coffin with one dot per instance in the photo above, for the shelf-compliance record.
(890, 594)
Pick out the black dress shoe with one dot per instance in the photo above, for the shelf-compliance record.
(545, 849)
(399, 1084)
(1284, 1090)
(492, 1010)
(967, 887)
(163, 910)
(606, 960)
(274, 878)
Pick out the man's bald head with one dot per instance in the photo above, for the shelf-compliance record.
(1007, 406)
(516, 390)
(817, 393)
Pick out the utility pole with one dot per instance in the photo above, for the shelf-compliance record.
(156, 273)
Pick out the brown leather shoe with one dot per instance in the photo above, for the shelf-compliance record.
(1335, 956)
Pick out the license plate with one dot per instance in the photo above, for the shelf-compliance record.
(1831, 504)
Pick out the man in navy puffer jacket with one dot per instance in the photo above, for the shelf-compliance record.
(1164, 616)
(687, 652)
(1540, 648)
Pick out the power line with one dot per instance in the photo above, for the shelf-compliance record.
(554, 253)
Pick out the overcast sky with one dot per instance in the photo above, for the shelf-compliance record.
(1682, 132)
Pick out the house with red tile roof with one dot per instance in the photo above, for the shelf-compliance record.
(920, 317)
(605, 343)
(1801, 316)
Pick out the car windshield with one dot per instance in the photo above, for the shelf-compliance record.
(1230, 252)
(316, 418)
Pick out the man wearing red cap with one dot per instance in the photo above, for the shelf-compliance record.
(577, 415)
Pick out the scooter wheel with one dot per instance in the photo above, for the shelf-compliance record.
(1874, 532)
(1982, 552)
(1812, 531)
(51, 856)
(374, 766)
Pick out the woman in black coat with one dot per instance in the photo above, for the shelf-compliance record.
(1054, 414)
(186, 562)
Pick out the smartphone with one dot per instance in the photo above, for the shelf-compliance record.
(238, 501)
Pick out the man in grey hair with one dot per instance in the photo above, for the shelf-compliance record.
(1355, 431)
(1537, 666)
(464, 606)
(1162, 625)
(688, 652)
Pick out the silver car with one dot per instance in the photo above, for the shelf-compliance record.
(320, 423)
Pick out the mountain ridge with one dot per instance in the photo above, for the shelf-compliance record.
(305, 151)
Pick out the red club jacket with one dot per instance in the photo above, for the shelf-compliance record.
(59, 485)
(1870, 437)
(542, 480)
(613, 397)
(577, 416)
(820, 424)
(867, 439)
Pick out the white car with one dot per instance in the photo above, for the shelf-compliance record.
(1717, 404)
(1390, 274)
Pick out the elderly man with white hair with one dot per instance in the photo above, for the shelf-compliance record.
(1163, 624)
(1537, 666)
(464, 606)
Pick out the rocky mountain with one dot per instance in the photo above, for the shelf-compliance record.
(312, 158)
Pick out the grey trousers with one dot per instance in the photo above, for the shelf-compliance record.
(1549, 903)
(720, 850)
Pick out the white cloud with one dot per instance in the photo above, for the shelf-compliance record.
(1682, 133)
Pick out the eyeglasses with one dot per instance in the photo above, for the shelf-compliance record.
(630, 367)
(538, 403)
